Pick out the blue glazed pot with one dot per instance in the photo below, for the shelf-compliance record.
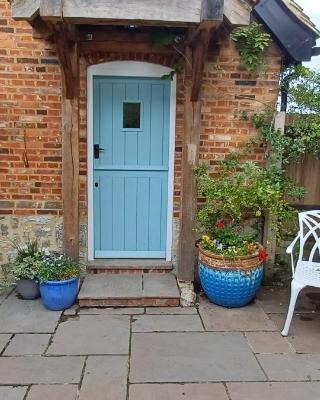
(229, 283)
(59, 295)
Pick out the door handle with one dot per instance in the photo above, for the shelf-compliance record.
(97, 150)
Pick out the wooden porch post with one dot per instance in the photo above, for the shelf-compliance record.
(67, 50)
(190, 155)
(269, 235)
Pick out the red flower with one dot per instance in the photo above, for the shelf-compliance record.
(219, 224)
(262, 254)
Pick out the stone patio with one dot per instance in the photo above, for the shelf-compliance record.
(201, 353)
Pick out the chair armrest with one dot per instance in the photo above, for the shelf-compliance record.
(291, 246)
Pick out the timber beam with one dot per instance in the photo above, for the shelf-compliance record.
(66, 46)
(68, 54)
(197, 53)
(41, 29)
(25, 10)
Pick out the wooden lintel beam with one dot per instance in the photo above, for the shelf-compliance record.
(212, 10)
(25, 10)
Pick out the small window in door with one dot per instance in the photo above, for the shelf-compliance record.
(131, 115)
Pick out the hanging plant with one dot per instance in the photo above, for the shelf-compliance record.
(251, 42)
(159, 38)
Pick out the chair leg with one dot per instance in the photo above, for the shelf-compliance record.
(295, 290)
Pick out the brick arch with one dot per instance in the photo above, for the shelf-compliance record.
(167, 60)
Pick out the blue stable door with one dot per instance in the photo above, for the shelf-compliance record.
(131, 158)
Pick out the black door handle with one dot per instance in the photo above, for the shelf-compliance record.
(96, 151)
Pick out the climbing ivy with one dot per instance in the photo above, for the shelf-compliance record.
(251, 42)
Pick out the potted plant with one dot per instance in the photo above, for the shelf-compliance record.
(23, 269)
(236, 199)
(59, 281)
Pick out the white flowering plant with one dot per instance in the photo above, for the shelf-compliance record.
(58, 267)
(25, 264)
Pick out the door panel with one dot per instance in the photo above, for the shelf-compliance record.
(131, 124)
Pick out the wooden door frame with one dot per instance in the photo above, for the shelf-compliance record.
(126, 69)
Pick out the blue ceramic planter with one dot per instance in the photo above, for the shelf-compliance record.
(59, 295)
(229, 286)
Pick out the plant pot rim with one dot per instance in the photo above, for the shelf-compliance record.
(222, 257)
(217, 261)
(62, 282)
(27, 279)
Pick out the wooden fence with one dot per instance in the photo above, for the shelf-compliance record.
(307, 174)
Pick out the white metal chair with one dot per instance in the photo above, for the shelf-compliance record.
(306, 272)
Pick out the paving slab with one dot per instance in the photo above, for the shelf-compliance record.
(187, 391)
(268, 342)
(12, 393)
(26, 316)
(249, 318)
(167, 323)
(28, 344)
(114, 286)
(92, 334)
(172, 310)
(53, 392)
(40, 370)
(4, 293)
(304, 334)
(291, 367)
(192, 357)
(105, 377)
(111, 311)
(4, 339)
(160, 285)
(276, 300)
(274, 391)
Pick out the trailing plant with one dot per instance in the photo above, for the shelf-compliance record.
(242, 191)
(251, 42)
(163, 37)
(57, 267)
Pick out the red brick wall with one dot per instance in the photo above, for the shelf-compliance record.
(30, 180)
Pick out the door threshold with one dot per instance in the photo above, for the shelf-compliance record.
(114, 265)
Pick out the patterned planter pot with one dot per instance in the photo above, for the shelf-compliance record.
(229, 282)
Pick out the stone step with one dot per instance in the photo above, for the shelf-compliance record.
(129, 290)
(125, 266)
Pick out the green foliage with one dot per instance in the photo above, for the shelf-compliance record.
(57, 267)
(303, 89)
(25, 265)
(243, 190)
(302, 137)
(251, 42)
(177, 69)
(161, 38)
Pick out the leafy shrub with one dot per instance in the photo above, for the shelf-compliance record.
(242, 190)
